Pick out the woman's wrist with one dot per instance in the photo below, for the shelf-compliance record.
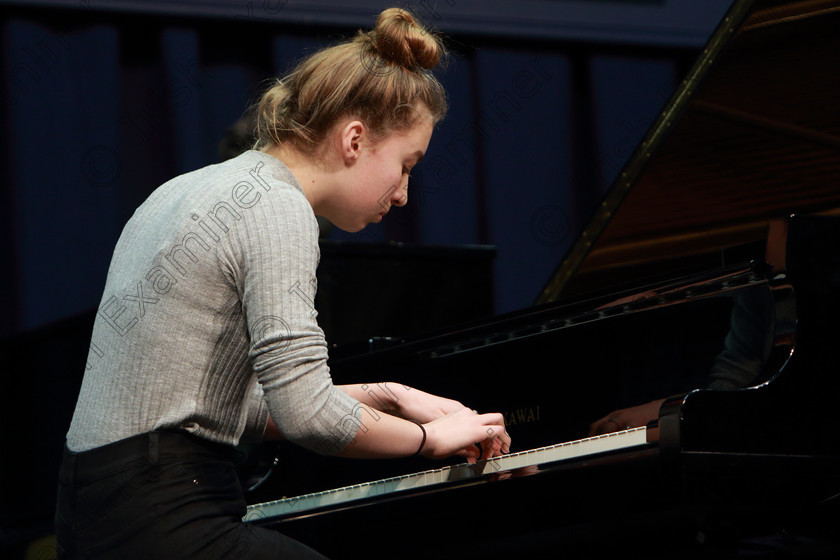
(423, 440)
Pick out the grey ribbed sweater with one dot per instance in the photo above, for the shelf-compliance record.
(207, 317)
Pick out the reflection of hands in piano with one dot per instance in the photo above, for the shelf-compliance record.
(468, 434)
(632, 417)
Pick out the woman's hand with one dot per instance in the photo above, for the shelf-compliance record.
(445, 415)
(451, 428)
(468, 434)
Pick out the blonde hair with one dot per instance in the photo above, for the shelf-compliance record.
(378, 77)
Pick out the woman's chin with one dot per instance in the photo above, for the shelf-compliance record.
(353, 228)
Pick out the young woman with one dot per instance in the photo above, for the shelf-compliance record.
(206, 334)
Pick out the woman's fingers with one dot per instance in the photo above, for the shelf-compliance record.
(469, 434)
(496, 440)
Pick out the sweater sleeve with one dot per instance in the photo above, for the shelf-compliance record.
(273, 259)
(257, 418)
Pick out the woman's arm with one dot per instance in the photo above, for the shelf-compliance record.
(401, 400)
(388, 426)
(464, 432)
(393, 398)
(451, 428)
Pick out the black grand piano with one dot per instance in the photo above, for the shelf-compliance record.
(709, 276)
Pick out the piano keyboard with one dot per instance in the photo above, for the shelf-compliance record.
(277, 509)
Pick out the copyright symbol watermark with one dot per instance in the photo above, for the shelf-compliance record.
(550, 225)
(374, 64)
(254, 516)
(100, 166)
(271, 327)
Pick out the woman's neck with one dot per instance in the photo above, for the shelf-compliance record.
(312, 175)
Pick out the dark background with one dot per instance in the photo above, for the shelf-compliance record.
(104, 101)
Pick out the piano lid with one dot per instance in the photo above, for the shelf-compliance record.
(751, 134)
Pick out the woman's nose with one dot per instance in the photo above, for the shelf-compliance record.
(400, 196)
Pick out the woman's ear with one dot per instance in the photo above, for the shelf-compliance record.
(353, 137)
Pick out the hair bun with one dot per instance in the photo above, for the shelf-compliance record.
(380, 77)
(400, 39)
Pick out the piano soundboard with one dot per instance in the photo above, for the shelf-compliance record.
(308, 504)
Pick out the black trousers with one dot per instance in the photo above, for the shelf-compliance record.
(161, 495)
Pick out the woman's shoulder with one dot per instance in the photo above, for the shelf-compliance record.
(251, 178)
(254, 173)
(253, 189)
(260, 184)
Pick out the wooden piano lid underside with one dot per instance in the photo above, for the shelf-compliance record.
(752, 134)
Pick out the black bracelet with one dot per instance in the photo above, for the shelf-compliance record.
(423, 442)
